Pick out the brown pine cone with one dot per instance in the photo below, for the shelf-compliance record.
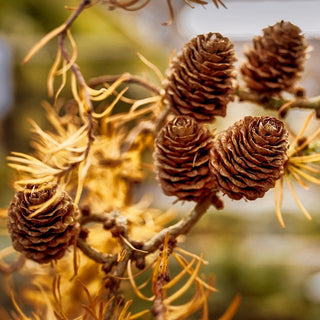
(46, 235)
(200, 80)
(249, 157)
(181, 160)
(276, 61)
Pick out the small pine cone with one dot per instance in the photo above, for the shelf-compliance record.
(249, 157)
(200, 80)
(276, 61)
(181, 159)
(45, 235)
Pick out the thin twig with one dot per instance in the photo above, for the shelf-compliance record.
(275, 103)
(115, 280)
(76, 71)
(130, 5)
(96, 218)
(129, 79)
(159, 309)
(181, 227)
(96, 255)
(76, 13)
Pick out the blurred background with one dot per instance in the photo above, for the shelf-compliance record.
(277, 271)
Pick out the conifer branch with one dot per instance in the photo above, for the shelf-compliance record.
(96, 255)
(183, 226)
(114, 281)
(275, 103)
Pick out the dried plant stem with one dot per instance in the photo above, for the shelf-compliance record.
(128, 78)
(275, 103)
(76, 13)
(108, 260)
(159, 309)
(116, 275)
(96, 255)
(96, 218)
(62, 35)
(81, 81)
(130, 5)
(181, 227)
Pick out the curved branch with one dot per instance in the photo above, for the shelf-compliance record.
(96, 218)
(76, 71)
(76, 13)
(96, 255)
(131, 5)
(115, 281)
(275, 103)
(181, 227)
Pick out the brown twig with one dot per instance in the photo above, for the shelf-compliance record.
(159, 309)
(181, 227)
(110, 222)
(76, 71)
(114, 281)
(96, 218)
(96, 255)
(275, 103)
(130, 5)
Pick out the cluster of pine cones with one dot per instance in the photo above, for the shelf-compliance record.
(245, 160)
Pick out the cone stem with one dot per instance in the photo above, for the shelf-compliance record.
(275, 103)
(181, 227)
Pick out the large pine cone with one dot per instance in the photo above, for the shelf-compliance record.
(181, 160)
(249, 157)
(46, 234)
(200, 80)
(276, 61)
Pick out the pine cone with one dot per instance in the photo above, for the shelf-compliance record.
(249, 157)
(200, 80)
(181, 160)
(276, 61)
(43, 236)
